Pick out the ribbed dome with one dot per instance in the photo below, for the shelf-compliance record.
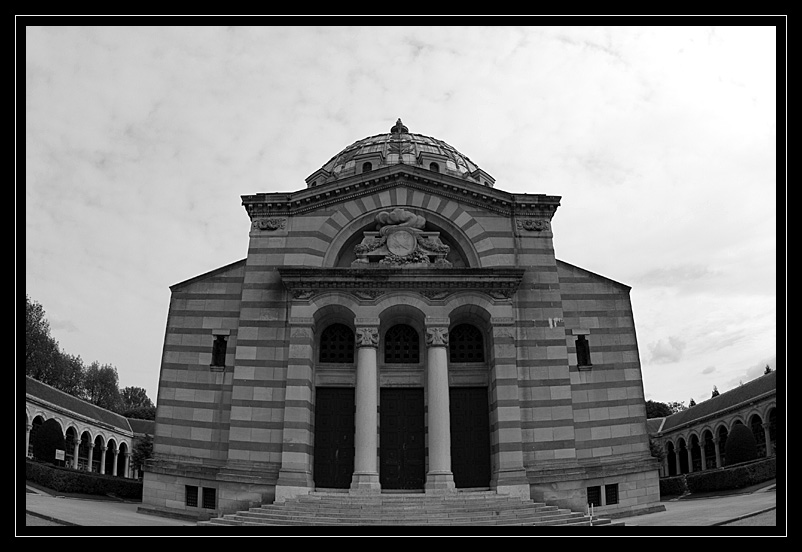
(399, 146)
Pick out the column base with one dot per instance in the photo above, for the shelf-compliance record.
(440, 483)
(365, 483)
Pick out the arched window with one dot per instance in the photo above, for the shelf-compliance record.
(466, 344)
(367, 167)
(434, 167)
(401, 345)
(337, 345)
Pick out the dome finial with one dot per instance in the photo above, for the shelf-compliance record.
(399, 127)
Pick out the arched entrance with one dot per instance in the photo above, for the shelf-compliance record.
(402, 431)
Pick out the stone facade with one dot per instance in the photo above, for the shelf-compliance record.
(440, 283)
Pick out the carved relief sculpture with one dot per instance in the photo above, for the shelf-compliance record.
(436, 337)
(400, 241)
(367, 337)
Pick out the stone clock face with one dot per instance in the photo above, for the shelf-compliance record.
(401, 243)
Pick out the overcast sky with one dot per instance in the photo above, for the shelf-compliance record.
(661, 142)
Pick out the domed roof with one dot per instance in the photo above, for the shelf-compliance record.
(397, 147)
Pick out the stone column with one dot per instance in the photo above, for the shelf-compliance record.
(689, 456)
(767, 434)
(366, 473)
(91, 446)
(439, 477)
(27, 437)
(76, 450)
(702, 450)
(127, 467)
(103, 450)
(114, 466)
(718, 452)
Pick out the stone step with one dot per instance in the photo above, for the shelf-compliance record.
(393, 509)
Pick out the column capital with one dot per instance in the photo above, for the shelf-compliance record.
(437, 336)
(367, 336)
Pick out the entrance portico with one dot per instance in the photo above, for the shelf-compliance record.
(401, 342)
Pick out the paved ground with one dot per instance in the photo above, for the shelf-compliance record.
(754, 507)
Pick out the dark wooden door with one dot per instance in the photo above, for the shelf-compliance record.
(470, 436)
(402, 449)
(334, 437)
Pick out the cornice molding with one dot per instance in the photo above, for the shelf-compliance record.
(310, 199)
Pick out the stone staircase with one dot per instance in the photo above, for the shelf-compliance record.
(466, 508)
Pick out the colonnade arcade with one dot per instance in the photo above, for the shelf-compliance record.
(704, 448)
(385, 378)
(86, 448)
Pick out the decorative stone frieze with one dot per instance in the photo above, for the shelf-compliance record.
(532, 225)
(269, 224)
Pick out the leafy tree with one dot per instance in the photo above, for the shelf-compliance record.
(101, 386)
(141, 413)
(692, 403)
(741, 445)
(677, 407)
(143, 449)
(134, 397)
(715, 392)
(767, 370)
(656, 409)
(40, 347)
(68, 374)
(47, 439)
(656, 450)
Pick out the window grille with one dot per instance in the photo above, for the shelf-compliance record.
(466, 344)
(209, 498)
(191, 495)
(401, 345)
(611, 494)
(337, 345)
(594, 496)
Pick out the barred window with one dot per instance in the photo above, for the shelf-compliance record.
(337, 345)
(611, 494)
(191, 495)
(466, 344)
(209, 498)
(594, 496)
(401, 345)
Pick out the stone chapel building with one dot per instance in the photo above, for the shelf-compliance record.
(400, 324)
